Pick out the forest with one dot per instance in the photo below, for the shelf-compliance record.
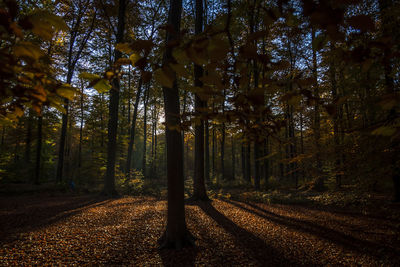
(200, 132)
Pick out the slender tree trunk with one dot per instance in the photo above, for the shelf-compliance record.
(109, 178)
(145, 103)
(233, 157)
(38, 150)
(213, 149)
(80, 133)
(319, 181)
(176, 234)
(133, 129)
(332, 70)
(248, 162)
(243, 157)
(28, 139)
(266, 163)
(207, 152)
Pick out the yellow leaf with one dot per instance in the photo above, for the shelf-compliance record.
(88, 76)
(124, 47)
(134, 58)
(27, 49)
(66, 91)
(102, 86)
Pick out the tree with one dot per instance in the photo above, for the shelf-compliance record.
(176, 234)
(199, 189)
(109, 178)
(78, 9)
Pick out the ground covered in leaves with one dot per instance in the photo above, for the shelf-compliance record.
(88, 230)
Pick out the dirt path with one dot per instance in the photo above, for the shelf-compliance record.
(93, 231)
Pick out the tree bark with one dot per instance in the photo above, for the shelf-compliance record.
(38, 150)
(319, 180)
(109, 178)
(199, 188)
(133, 130)
(176, 234)
(144, 156)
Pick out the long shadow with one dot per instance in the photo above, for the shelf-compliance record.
(314, 206)
(19, 220)
(254, 246)
(347, 241)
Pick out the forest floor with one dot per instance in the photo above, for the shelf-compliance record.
(88, 230)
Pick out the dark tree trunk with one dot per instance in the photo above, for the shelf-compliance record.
(133, 129)
(336, 139)
(248, 163)
(199, 188)
(319, 180)
(38, 150)
(233, 157)
(243, 157)
(176, 234)
(28, 139)
(80, 133)
(207, 152)
(72, 61)
(385, 8)
(109, 178)
(145, 103)
(266, 163)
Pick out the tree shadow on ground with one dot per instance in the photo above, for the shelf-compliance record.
(18, 217)
(183, 257)
(254, 246)
(347, 241)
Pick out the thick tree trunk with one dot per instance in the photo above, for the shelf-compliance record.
(176, 234)
(109, 178)
(199, 188)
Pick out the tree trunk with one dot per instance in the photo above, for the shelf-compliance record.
(109, 178)
(199, 188)
(145, 103)
(132, 131)
(28, 139)
(233, 157)
(319, 181)
(38, 150)
(176, 234)
(207, 152)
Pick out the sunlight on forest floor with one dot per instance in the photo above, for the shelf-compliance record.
(89, 230)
